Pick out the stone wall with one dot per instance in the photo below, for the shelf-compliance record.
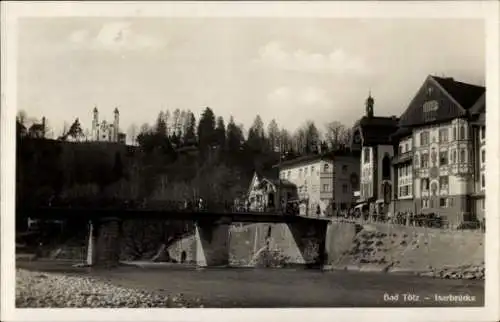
(286, 244)
(108, 243)
(401, 248)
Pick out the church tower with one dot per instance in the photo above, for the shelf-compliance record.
(369, 105)
(95, 125)
(116, 125)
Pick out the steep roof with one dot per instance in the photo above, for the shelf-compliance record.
(465, 94)
(480, 105)
(448, 99)
(272, 175)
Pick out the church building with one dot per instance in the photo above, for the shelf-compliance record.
(104, 131)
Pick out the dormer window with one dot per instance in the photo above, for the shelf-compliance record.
(429, 91)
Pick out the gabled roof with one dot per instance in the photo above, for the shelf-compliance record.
(480, 105)
(465, 94)
(454, 99)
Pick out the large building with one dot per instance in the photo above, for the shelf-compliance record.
(438, 148)
(325, 183)
(106, 131)
(372, 136)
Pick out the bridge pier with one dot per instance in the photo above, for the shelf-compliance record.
(103, 247)
(212, 243)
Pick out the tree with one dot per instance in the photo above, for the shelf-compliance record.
(206, 129)
(168, 122)
(176, 121)
(234, 136)
(300, 141)
(22, 117)
(337, 134)
(132, 134)
(256, 135)
(273, 134)
(312, 139)
(220, 133)
(161, 125)
(190, 126)
(182, 123)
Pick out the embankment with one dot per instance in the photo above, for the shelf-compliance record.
(395, 248)
(368, 247)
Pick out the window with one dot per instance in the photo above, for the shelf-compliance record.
(326, 187)
(443, 158)
(404, 191)
(344, 169)
(406, 147)
(300, 172)
(443, 135)
(483, 182)
(416, 161)
(425, 184)
(443, 182)
(425, 160)
(462, 156)
(386, 167)
(289, 174)
(325, 167)
(305, 171)
(366, 155)
(312, 169)
(483, 156)
(442, 202)
(462, 132)
(425, 203)
(400, 150)
(483, 132)
(482, 204)
(454, 133)
(454, 156)
(424, 138)
(344, 188)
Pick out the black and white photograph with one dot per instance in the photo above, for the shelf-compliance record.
(181, 156)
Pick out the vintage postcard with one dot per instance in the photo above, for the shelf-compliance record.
(300, 160)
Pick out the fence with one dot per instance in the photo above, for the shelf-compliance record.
(416, 221)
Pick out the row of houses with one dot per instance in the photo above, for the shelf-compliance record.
(430, 159)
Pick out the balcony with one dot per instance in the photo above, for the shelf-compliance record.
(403, 158)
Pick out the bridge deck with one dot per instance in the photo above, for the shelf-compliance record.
(100, 213)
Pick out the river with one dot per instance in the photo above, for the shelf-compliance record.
(280, 288)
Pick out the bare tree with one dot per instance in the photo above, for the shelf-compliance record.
(337, 134)
(132, 133)
(22, 117)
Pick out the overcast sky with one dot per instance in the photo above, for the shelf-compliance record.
(290, 69)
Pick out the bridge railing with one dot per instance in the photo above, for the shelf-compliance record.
(187, 205)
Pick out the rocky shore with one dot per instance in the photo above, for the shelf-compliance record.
(469, 272)
(48, 290)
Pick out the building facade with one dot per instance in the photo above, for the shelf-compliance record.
(371, 136)
(104, 131)
(439, 150)
(325, 183)
(265, 191)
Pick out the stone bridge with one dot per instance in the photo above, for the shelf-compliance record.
(213, 234)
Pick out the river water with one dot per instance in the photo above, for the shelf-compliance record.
(280, 288)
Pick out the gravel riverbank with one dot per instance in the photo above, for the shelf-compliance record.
(49, 290)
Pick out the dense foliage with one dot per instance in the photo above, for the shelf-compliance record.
(177, 158)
